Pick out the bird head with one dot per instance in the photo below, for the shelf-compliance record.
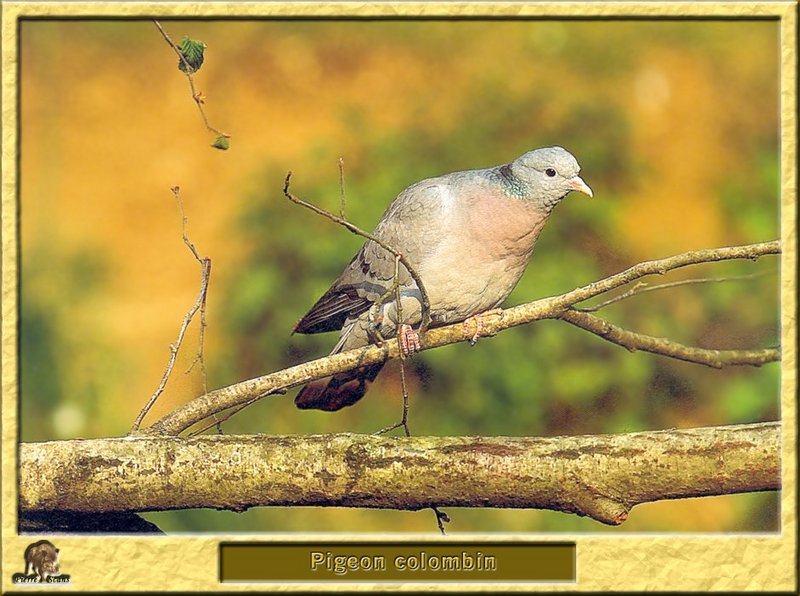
(549, 174)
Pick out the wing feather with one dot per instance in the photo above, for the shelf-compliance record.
(368, 276)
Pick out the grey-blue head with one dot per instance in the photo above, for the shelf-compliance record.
(545, 176)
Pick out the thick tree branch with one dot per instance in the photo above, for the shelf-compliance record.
(598, 476)
(554, 307)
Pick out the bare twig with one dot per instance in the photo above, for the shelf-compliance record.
(602, 476)
(546, 308)
(196, 96)
(440, 516)
(199, 304)
(205, 264)
(404, 420)
(426, 305)
(441, 519)
(662, 266)
(343, 205)
(657, 345)
(642, 287)
(218, 420)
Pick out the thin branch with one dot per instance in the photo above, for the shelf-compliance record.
(657, 345)
(440, 516)
(205, 265)
(196, 96)
(554, 307)
(662, 266)
(404, 419)
(199, 356)
(404, 389)
(199, 304)
(343, 205)
(426, 305)
(218, 420)
(643, 288)
(441, 519)
(602, 477)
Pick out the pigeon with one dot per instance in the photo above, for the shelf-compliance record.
(468, 235)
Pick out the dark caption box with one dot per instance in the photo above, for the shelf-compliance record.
(397, 562)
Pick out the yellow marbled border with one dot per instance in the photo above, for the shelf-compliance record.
(618, 562)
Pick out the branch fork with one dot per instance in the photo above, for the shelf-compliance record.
(555, 307)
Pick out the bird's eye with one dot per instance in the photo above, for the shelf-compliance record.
(550, 172)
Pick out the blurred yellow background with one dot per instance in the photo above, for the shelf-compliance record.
(675, 124)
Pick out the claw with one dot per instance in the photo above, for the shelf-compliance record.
(480, 324)
(478, 319)
(373, 326)
(409, 340)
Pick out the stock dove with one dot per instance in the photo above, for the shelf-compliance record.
(468, 235)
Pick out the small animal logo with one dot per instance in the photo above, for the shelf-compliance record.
(41, 565)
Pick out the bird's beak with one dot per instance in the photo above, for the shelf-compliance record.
(578, 184)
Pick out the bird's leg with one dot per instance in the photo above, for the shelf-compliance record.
(480, 324)
(409, 340)
(374, 320)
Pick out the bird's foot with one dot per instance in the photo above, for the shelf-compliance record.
(481, 324)
(374, 321)
(409, 340)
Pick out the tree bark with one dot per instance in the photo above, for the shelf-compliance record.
(597, 476)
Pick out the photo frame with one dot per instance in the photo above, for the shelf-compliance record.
(192, 562)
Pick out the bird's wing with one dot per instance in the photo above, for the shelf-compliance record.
(411, 225)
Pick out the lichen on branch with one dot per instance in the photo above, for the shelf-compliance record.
(602, 477)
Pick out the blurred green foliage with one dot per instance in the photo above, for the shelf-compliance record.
(450, 96)
(64, 376)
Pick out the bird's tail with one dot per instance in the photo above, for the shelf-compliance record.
(342, 389)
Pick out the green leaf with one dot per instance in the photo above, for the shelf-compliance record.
(221, 142)
(192, 52)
